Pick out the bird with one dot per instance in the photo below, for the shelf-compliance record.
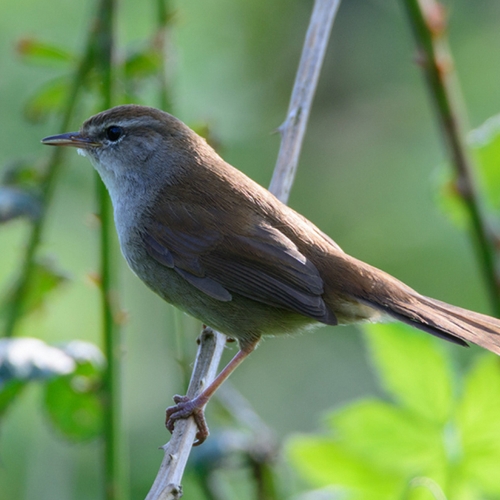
(220, 247)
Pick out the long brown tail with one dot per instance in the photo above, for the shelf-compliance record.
(449, 322)
(353, 279)
(385, 293)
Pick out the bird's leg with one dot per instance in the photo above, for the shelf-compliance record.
(195, 407)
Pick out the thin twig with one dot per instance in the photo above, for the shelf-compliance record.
(428, 21)
(167, 484)
(294, 127)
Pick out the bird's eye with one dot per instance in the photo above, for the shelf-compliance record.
(113, 133)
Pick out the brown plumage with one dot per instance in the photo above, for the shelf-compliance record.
(217, 245)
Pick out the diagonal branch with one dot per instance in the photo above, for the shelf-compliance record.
(167, 484)
(293, 128)
(47, 188)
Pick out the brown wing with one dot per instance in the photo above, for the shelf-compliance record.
(221, 254)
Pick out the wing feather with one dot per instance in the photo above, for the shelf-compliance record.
(257, 261)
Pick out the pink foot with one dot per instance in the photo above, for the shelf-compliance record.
(185, 408)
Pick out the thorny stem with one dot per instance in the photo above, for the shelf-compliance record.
(114, 461)
(427, 19)
(47, 187)
(98, 52)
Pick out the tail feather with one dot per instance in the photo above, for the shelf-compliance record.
(446, 321)
(353, 279)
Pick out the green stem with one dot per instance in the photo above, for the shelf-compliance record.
(113, 457)
(265, 480)
(429, 30)
(47, 187)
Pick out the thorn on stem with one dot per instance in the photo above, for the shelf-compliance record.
(420, 58)
(435, 17)
(444, 65)
(94, 278)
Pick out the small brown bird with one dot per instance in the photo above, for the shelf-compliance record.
(217, 245)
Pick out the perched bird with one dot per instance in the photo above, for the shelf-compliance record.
(215, 244)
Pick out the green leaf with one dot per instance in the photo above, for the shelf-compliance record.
(478, 421)
(73, 376)
(9, 392)
(74, 401)
(35, 51)
(427, 445)
(21, 174)
(45, 279)
(142, 64)
(323, 462)
(25, 359)
(391, 437)
(413, 369)
(448, 197)
(485, 142)
(49, 99)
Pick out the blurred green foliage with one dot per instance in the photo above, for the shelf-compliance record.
(73, 400)
(46, 279)
(484, 142)
(436, 438)
(71, 375)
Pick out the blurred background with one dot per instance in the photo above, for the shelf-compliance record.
(368, 177)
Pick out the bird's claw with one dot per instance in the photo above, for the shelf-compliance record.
(185, 408)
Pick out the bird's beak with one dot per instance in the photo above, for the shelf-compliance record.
(74, 139)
